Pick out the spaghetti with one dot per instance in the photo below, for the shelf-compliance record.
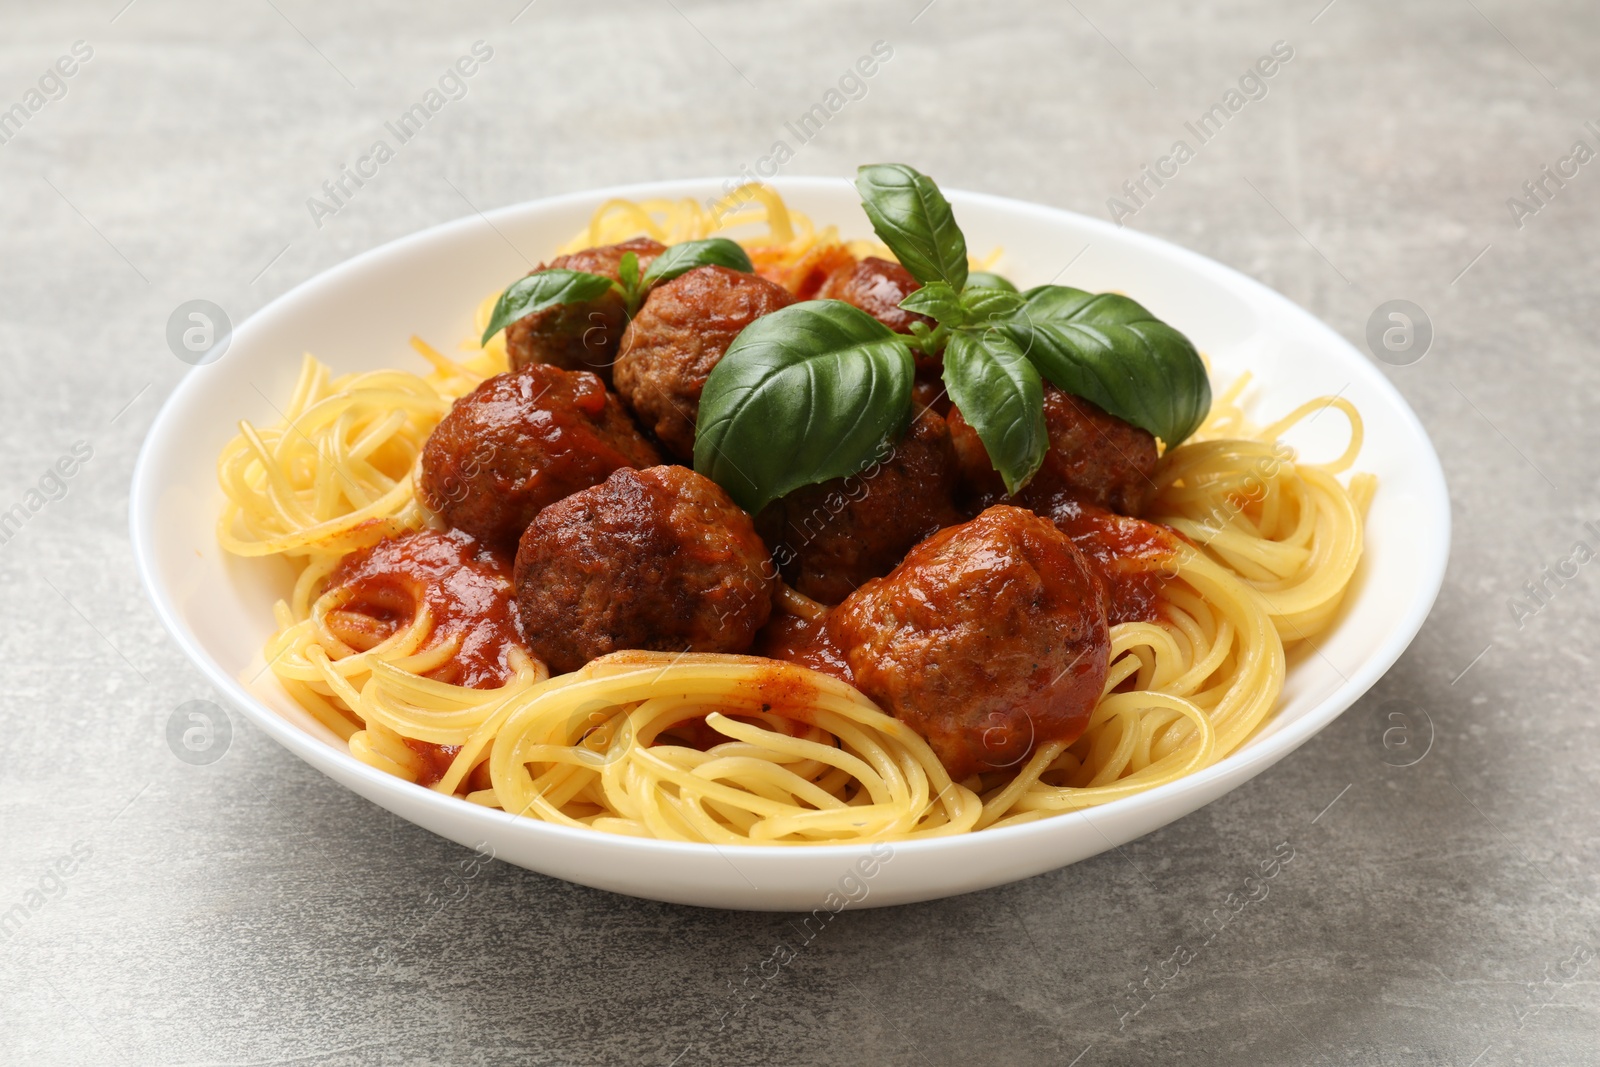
(741, 749)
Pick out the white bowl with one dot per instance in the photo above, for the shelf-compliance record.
(358, 316)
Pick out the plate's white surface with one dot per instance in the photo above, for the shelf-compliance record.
(359, 316)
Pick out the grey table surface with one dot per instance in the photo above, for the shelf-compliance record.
(250, 911)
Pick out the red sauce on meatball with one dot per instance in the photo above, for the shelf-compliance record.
(1094, 456)
(1132, 558)
(679, 335)
(989, 640)
(829, 538)
(876, 286)
(807, 642)
(522, 441)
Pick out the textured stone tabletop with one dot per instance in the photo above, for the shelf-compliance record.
(250, 911)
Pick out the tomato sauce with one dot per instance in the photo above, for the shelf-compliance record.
(783, 692)
(466, 587)
(806, 642)
(808, 273)
(436, 759)
(468, 592)
(1133, 559)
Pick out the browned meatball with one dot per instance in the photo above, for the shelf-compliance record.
(1093, 457)
(523, 440)
(581, 336)
(876, 286)
(989, 640)
(829, 538)
(681, 333)
(656, 559)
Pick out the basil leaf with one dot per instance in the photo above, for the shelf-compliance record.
(913, 218)
(804, 394)
(927, 340)
(542, 289)
(685, 257)
(939, 302)
(1001, 397)
(628, 275)
(983, 279)
(1112, 352)
(984, 304)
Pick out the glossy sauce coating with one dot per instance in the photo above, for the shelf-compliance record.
(807, 642)
(522, 441)
(876, 286)
(436, 760)
(1132, 559)
(467, 590)
(988, 640)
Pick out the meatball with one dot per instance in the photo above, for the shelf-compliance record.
(876, 286)
(523, 440)
(585, 335)
(989, 640)
(681, 333)
(829, 538)
(1093, 457)
(656, 559)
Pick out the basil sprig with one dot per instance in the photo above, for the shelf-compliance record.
(546, 288)
(816, 389)
(543, 289)
(912, 217)
(802, 395)
(685, 257)
(982, 279)
(1109, 350)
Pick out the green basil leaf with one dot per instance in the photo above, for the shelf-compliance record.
(804, 394)
(1112, 352)
(984, 304)
(1001, 397)
(540, 290)
(983, 279)
(628, 272)
(913, 218)
(927, 340)
(685, 257)
(939, 302)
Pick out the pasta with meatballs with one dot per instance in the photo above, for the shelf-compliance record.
(530, 576)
